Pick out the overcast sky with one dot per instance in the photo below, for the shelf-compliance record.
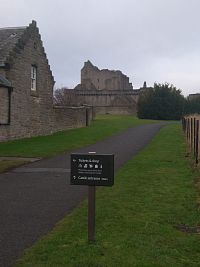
(148, 40)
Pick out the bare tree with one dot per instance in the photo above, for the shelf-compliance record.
(66, 97)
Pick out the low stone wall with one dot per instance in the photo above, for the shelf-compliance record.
(109, 102)
(116, 110)
(60, 119)
(69, 117)
(4, 132)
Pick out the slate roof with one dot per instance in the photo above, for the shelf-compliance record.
(9, 37)
(4, 82)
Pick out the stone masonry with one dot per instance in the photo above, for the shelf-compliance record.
(92, 78)
(4, 106)
(31, 112)
(109, 91)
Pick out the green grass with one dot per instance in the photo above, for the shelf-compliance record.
(6, 165)
(135, 218)
(47, 146)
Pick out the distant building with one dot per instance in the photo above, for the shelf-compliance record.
(193, 96)
(109, 91)
(93, 78)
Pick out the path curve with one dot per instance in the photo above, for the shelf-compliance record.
(36, 196)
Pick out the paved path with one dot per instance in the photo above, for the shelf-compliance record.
(36, 196)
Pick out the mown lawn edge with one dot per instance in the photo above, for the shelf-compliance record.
(47, 146)
(136, 219)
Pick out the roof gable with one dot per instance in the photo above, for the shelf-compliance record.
(8, 39)
(12, 40)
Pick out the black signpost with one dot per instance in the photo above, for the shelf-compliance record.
(93, 170)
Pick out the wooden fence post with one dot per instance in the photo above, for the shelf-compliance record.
(191, 134)
(197, 142)
(187, 130)
(194, 137)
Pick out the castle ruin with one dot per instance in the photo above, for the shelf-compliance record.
(109, 91)
(92, 78)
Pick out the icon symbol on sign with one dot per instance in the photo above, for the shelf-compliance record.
(85, 166)
(74, 177)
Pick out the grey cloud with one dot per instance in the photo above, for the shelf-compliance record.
(153, 40)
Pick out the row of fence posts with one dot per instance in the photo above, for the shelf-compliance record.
(191, 129)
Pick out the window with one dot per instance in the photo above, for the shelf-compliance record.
(5, 98)
(33, 78)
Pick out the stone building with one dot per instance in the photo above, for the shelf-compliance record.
(109, 91)
(26, 88)
(93, 78)
(194, 96)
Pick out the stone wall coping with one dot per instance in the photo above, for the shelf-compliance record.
(68, 107)
(115, 106)
(86, 105)
(106, 92)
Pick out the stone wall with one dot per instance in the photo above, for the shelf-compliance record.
(62, 118)
(109, 101)
(69, 117)
(2, 72)
(116, 110)
(107, 97)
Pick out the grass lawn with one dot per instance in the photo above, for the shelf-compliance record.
(136, 218)
(47, 146)
(6, 165)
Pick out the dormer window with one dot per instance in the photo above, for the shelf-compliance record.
(33, 78)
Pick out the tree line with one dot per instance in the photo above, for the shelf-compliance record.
(165, 102)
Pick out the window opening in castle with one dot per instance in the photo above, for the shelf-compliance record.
(33, 78)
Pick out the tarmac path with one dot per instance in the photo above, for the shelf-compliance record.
(36, 196)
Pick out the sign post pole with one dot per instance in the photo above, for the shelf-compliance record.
(91, 210)
(91, 213)
(93, 170)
